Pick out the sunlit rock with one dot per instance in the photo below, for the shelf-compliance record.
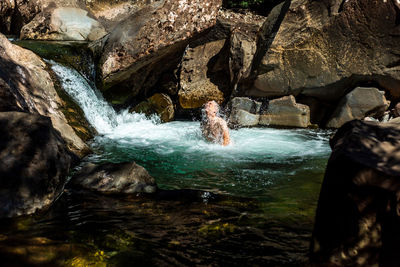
(244, 112)
(359, 103)
(64, 23)
(286, 112)
(324, 48)
(196, 87)
(149, 42)
(159, 104)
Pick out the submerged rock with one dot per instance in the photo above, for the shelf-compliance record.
(125, 178)
(34, 163)
(358, 104)
(323, 48)
(63, 23)
(286, 112)
(160, 104)
(28, 87)
(149, 42)
(357, 220)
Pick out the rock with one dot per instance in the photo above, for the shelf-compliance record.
(396, 110)
(241, 30)
(34, 163)
(242, 118)
(110, 13)
(121, 178)
(16, 13)
(28, 87)
(286, 112)
(357, 219)
(196, 88)
(63, 23)
(359, 103)
(244, 112)
(160, 104)
(323, 48)
(149, 42)
(320, 111)
(395, 120)
(245, 104)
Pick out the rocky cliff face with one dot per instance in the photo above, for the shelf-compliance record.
(324, 49)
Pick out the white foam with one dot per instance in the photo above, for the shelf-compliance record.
(183, 136)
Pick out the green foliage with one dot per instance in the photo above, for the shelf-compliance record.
(244, 4)
(262, 7)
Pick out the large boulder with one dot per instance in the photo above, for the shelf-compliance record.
(121, 178)
(242, 32)
(149, 42)
(28, 87)
(357, 221)
(358, 104)
(34, 163)
(65, 24)
(159, 104)
(324, 48)
(286, 112)
(196, 87)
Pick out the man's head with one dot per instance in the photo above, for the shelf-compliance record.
(211, 108)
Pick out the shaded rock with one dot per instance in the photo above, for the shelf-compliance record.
(34, 163)
(322, 48)
(196, 88)
(150, 42)
(16, 13)
(359, 103)
(125, 178)
(63, 23)
(28, 87)
(160, 104)
(320, 111)
(286, 112)
(396, 110)
(357, 220)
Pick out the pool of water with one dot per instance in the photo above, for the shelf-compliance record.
(250, 203)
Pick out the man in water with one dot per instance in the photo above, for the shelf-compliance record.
(213, 127)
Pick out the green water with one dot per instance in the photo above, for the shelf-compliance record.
(249, 204)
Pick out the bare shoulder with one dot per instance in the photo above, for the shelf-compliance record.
(222, 122)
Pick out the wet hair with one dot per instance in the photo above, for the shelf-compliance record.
(204, 118)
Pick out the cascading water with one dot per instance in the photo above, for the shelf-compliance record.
(279, 173)
(177, 155)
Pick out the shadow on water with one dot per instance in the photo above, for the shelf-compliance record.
(171, 228)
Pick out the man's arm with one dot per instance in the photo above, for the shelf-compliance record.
(225, 133)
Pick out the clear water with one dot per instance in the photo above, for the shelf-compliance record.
(250, 203)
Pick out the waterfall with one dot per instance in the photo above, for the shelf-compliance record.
(99, 113)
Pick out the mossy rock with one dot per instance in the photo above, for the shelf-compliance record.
(160, 104)
(75, 54)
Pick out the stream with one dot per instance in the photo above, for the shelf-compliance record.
(250, 203)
